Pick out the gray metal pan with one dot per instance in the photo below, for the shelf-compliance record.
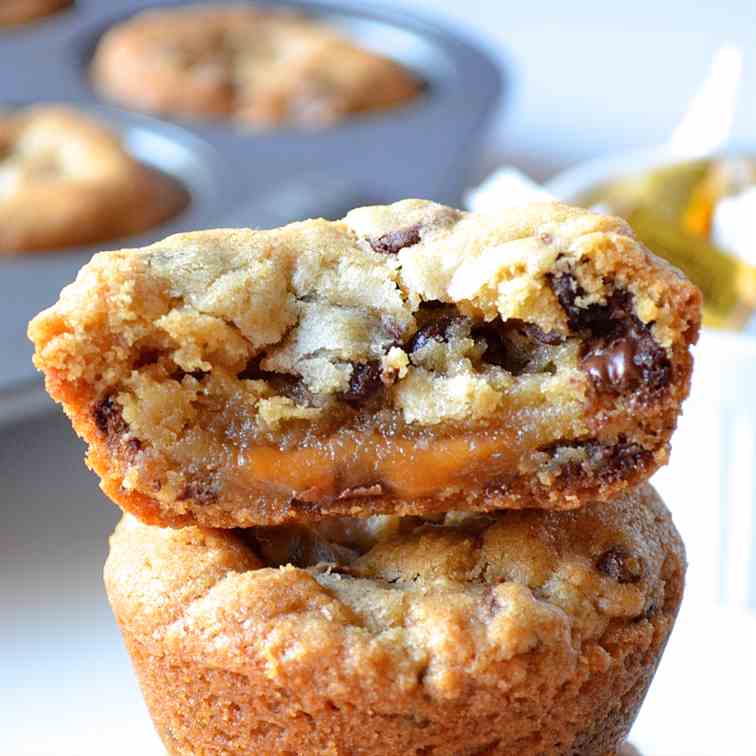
(240, 178)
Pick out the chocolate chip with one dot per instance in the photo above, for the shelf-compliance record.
(628, 361)
(252, 370)
(108, 417)
(619, 460)
(567, 290)
(613, 366)
(512, 344)
(282, 384)
(435, 330)
(491, 603)
(497, 351)
(651, 359)
(601, 320)
(146, 357)
(618, 564)
(199, 491)
(391, 242)
(608, 463)
(552, 338)
(621, 352)
(179, 375)
(433, 304)
(393, 329)
(365, 381)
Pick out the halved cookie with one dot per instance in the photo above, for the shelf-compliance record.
(408, 359)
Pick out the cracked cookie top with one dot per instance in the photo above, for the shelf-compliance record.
(408, 352)
(405, 606)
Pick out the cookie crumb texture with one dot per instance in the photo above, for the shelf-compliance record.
(264, 68)
(461, 634)
(399, 361)
(66, 180)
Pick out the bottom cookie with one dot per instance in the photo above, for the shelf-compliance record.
(519, 632)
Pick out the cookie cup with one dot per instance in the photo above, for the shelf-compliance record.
(513, 633)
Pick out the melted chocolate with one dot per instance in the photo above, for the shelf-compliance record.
(512, 344)
(393, 241)
(567, 290)
(618, 564)
(614, 365)
(108, 417)
(435, 330)
(604, 462)
(201, 492)
(620, 353)
(146, 357)
(365, 381)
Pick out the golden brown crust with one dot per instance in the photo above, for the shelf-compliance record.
(512, 633)
(217, 375)
(13, 12)
(265, 68)
(91, 188)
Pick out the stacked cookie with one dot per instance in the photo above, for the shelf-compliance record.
(385, 477)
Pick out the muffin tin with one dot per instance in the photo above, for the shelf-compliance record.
(238, 177)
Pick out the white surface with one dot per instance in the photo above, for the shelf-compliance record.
(66, 686)
(701, 702)
(733, 227)
(506, 187)
(710, 116)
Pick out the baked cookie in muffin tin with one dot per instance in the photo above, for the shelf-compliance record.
(66, 180)
(16, 12)
(507, 633)
(408, 359)
(261, 66)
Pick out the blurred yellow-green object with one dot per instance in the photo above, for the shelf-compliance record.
(668, 189)
(728, 285)
(670, 210)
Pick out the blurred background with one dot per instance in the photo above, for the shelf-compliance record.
(648, 109)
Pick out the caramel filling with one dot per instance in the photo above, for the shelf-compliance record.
(404, 467)
(199, 436)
